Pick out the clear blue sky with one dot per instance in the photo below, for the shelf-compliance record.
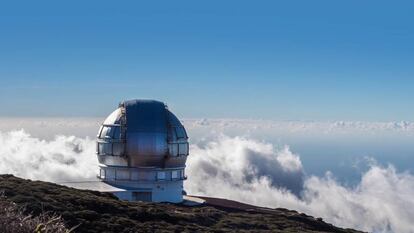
(313, 60)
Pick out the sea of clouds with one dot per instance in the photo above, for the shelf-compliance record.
(254, 172)
(232, 159)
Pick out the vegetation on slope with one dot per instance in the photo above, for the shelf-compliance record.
(102, 212)
(12, 220)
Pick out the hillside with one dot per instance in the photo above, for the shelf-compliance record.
(102, 212)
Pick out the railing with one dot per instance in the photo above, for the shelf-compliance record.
(151, 177)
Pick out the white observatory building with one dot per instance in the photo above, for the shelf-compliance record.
(142, 148)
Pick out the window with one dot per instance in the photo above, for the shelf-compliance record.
(106, 131)
(173, 149)
(180, 132)
(111, 132)
(160, 175)
(117, 132)
(183, 149)
(105, 148)
(102, 173)
(177, 149)
(118, 149)
(174, 175)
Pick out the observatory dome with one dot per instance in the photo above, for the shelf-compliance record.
(142, 133)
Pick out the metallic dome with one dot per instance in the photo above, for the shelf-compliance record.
(142, 133)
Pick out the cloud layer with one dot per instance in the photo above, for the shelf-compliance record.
(302, 126)
(238, 162)
(256, 173)
(242, 169)
(64, 158)
(82, 127)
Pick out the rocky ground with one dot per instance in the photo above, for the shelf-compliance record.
(91, 211)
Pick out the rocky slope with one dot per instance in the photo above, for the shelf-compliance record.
(93, 211)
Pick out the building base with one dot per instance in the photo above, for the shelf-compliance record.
(160, 191)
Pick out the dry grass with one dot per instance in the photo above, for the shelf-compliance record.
(13, 219)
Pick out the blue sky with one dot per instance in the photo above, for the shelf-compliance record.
(296, 60)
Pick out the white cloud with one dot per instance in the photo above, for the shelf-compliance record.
(242, 169)
(64, 158)
(47, 128)
(325, 127)
(82, 127)
(381, 202)
(238, 162)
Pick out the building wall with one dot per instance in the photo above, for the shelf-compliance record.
(164, 185)
(163, 191)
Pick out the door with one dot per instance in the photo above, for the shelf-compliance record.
(142, 196)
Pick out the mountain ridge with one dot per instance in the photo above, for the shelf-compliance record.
(92, 211)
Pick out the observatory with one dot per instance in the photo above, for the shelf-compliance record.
(142, 148)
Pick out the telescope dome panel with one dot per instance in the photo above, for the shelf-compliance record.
(142, 133)
(114, 117)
